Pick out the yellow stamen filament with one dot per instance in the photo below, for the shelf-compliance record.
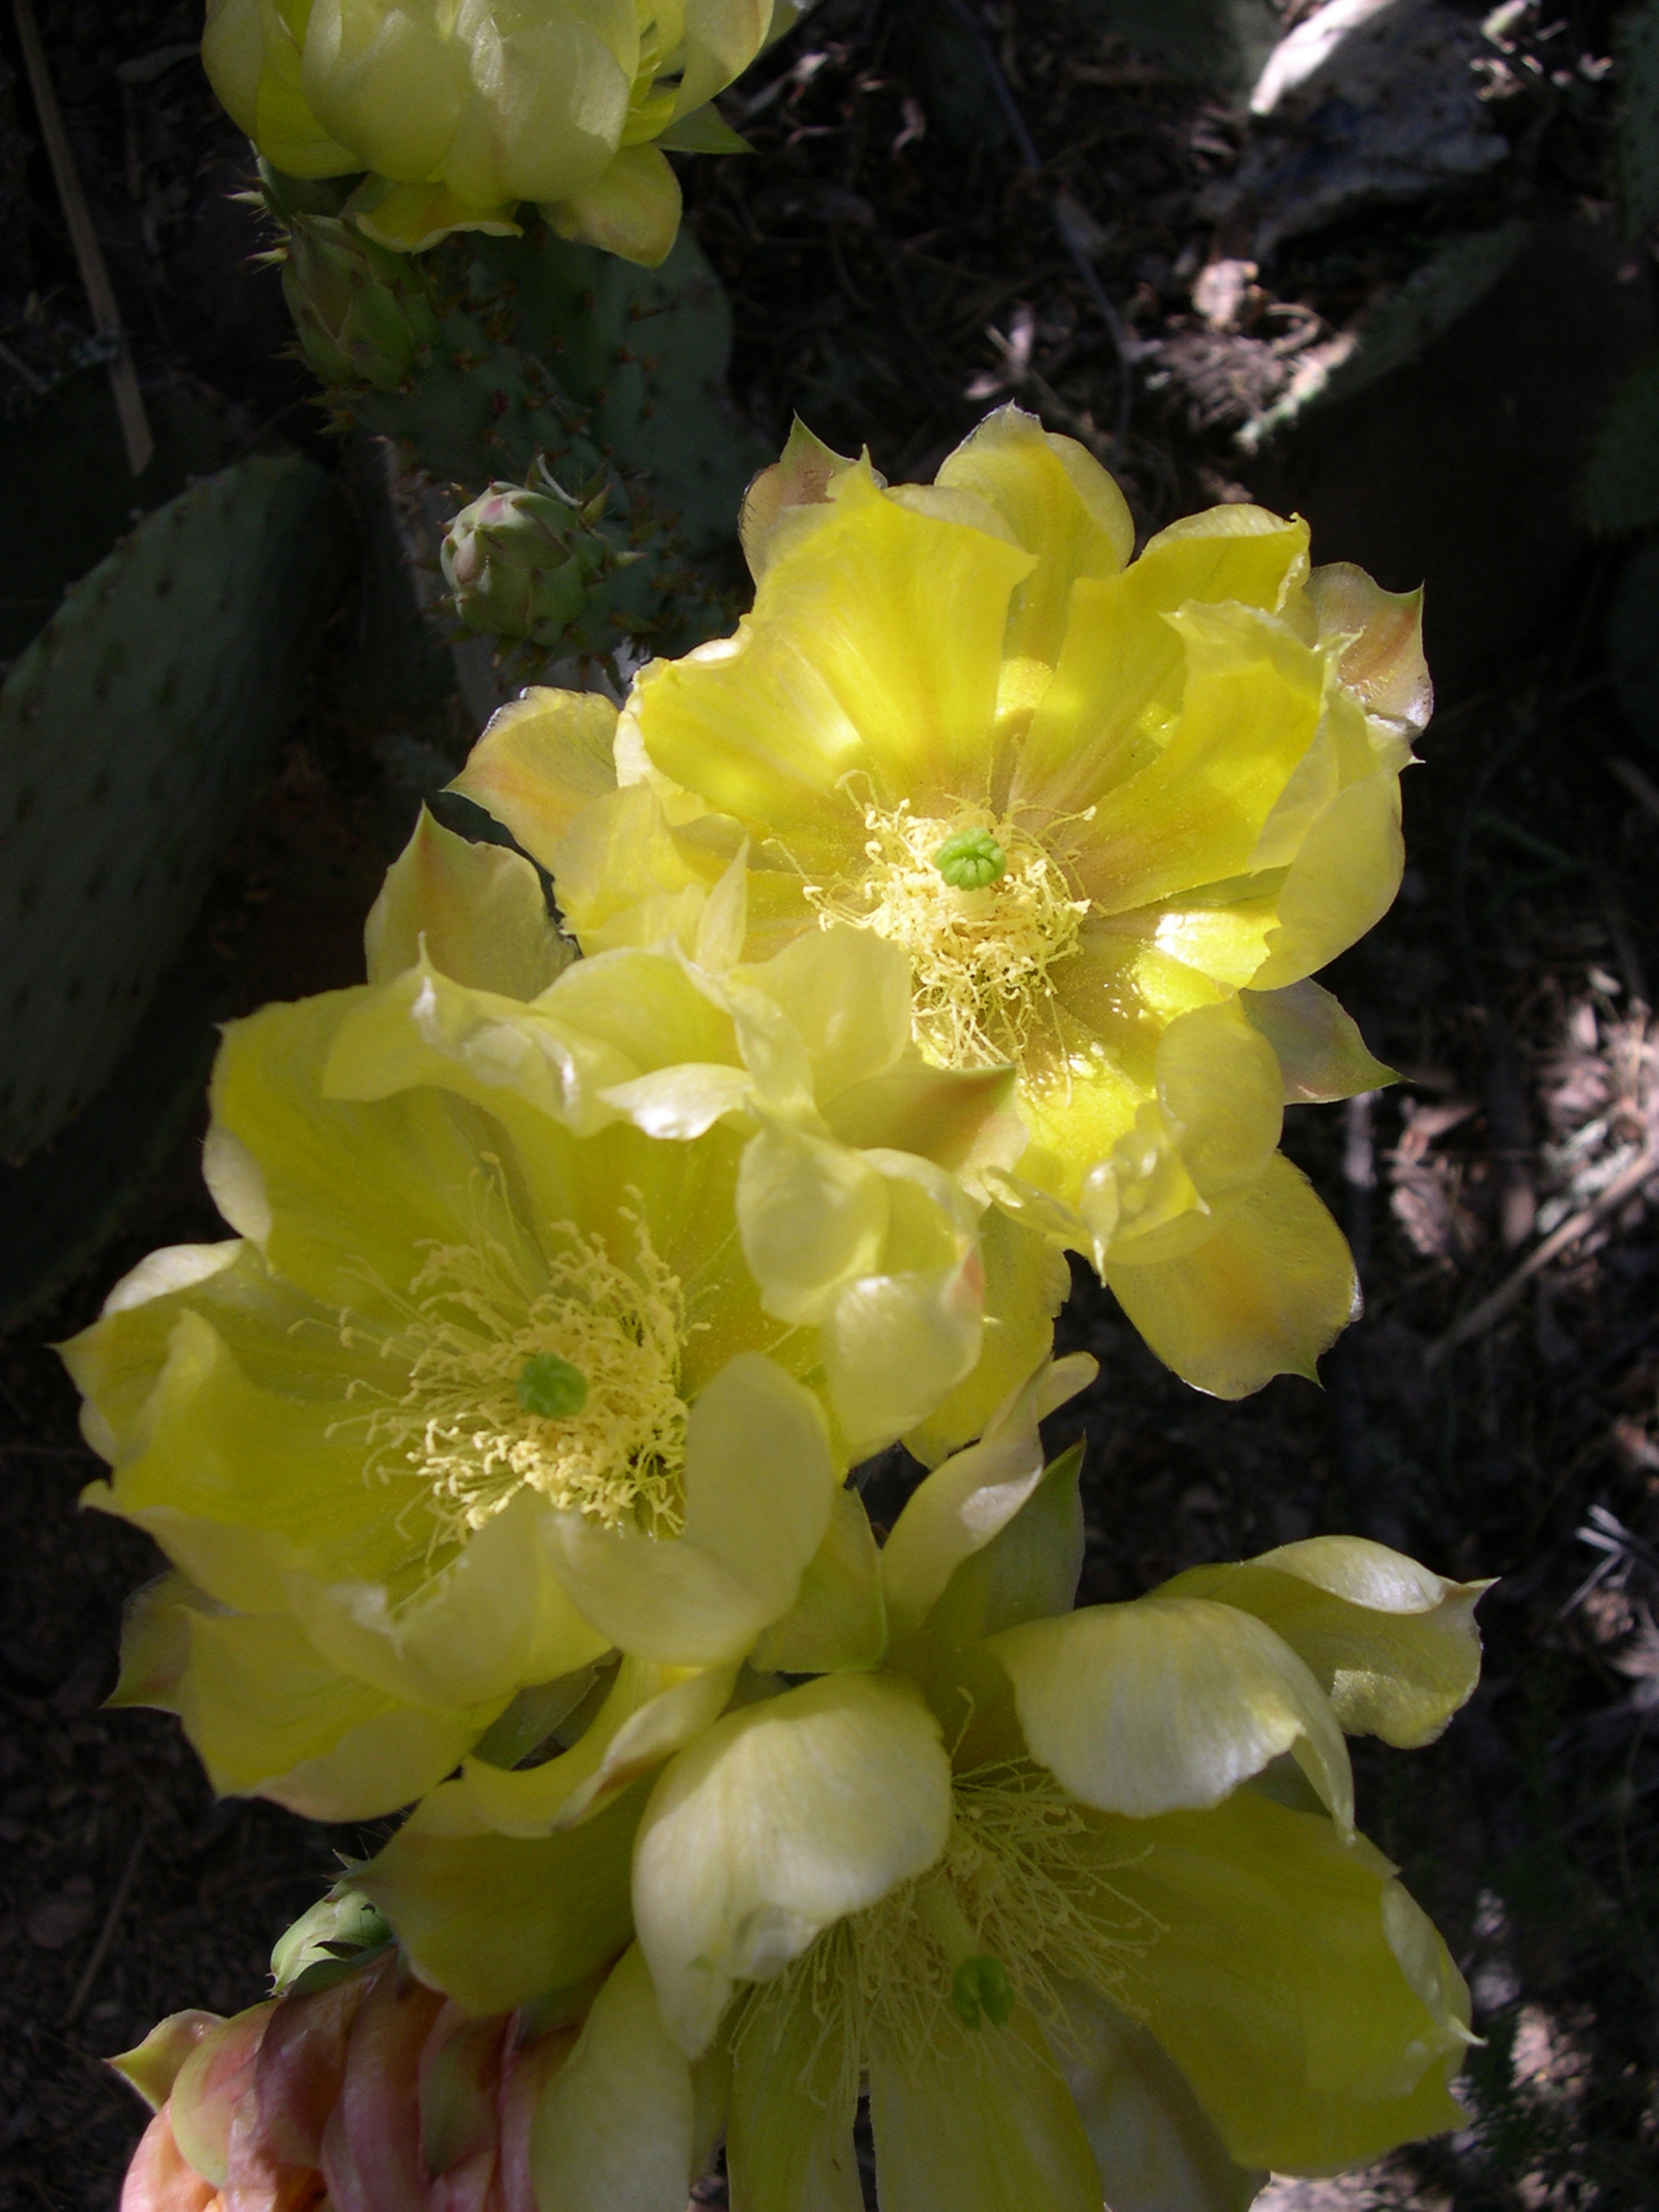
(481, 1344)
(983, 947)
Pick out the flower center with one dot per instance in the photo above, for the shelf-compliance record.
(1021, 1903)
(569, 1386)
(985, 914)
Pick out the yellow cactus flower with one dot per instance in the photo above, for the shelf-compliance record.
(1077, 1895)
(461, 114)
(1114, 813)
(552, 1324)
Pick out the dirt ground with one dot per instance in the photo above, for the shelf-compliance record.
(896, 266)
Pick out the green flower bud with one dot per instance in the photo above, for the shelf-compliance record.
(527, 561)
(364, 316)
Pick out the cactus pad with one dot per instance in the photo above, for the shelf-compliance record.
(130, 732)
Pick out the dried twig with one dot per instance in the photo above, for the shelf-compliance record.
(83, 1988)
(94, 276)
(1481, 1318)
(1640, 786)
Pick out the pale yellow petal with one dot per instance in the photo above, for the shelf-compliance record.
(1264, 1296)
(1318, 1045)
(613, 2128)
(759, 1486)
(494, 1921)
(542, 759)
(783, 1818)
(1168, 1702)
(1302, 1993)
(1060, 504)
(1394, 1646)
(839, 1621)
(789, 2138)
(979, 2121)
(1119, 677)
(477, 909)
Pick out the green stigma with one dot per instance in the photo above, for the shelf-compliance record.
(552, 1387)
(979, 1986)
(971, 859)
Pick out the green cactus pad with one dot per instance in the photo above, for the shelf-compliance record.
(130, 732)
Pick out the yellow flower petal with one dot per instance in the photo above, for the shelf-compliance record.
(614, 2128)
(1155, 2146)
(875, 645)
(1026, 1283)
(632, 209)
(1342, 880)
(838, 1622)
(967, 1502)
(494, 1619)
(1060, 505)
(980, 2121)
(494, 1921)
(1167, 1702)
(1264, 1296)
(1318, 1047)
(1251, 708)
(789, 2138)
(649, 1714)
(799, 478)
(759, 1483)
(1382, 663)
(412, 218)
(269, 1717)
(1118, 674)
(541, 760)
(478, 910)
(1301, 1991)
(782, 1819)
(1392, 1646)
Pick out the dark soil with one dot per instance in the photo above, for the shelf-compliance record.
(896, 268)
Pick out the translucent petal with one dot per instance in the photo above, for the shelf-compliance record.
(1318, 1045)
(839, 1621)
(1394, 1647)
(875, 644)
(1168, 1702)
(1193, 814)
(649, 1714)
(1119, 676)
(1156, 2146)
(542, 758)
(784, 1817)
(969, 1500)
(1342, 881)
(632, 209)
(1383, 664)
(268, 1717)
(478, 909)
(1264, 1296)
(1026, 1283)
(494, 1619)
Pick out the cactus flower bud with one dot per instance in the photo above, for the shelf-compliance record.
(528, 561)
(364, 316)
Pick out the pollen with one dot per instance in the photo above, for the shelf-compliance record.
(986, 915)
(1021, 1905)
(561, 1375)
